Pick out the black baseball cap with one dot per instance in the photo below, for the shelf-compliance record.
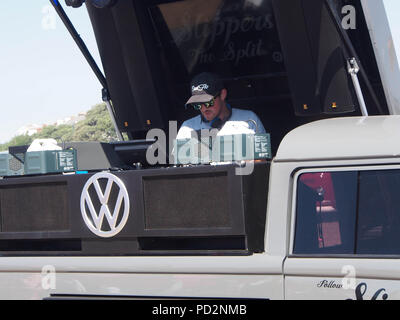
(205, 86)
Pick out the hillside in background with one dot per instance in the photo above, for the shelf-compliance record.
(96, 126)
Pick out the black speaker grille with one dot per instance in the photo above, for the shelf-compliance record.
(195, 201)
(36, 207)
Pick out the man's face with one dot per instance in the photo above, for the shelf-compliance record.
(216, 110)
(212, 111)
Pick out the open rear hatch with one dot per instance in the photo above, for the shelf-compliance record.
(284, 59)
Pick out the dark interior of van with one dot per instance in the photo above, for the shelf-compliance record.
(283, 59)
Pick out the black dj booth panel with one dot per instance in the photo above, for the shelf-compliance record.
(188, 210)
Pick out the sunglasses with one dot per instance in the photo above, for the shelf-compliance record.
(197, 106)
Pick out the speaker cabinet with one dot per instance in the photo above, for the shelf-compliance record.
(314, 58)
(126, 66)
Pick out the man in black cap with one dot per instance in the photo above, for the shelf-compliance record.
(209, 97)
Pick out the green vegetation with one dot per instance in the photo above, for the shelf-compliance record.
(96, 126)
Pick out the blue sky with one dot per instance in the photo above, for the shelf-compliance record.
(43, 75)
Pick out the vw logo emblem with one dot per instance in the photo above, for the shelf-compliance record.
(105, 204)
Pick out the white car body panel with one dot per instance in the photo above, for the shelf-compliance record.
(33, 285)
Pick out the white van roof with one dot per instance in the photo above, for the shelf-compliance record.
(343, 138)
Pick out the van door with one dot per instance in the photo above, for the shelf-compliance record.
(345, 234)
